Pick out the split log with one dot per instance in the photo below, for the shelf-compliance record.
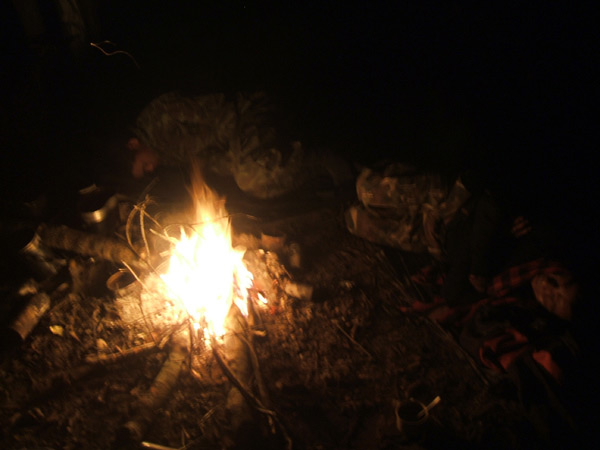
(68, 239)
(35, 309)
(134, 430)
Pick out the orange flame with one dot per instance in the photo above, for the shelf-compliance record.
(203, 267)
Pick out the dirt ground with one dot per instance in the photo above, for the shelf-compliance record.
(331, 371)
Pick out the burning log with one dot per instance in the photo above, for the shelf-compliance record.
(134, 430)
(64, 238)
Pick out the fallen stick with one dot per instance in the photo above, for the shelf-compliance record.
(95, 365)
(64, 238)
(360, 347)
(153, 446)
(251, 320)
(248, 396)
(236, 353)
(240, 396)
(113, 358)
(134, 430)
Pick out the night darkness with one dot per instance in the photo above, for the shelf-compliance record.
(503, 90)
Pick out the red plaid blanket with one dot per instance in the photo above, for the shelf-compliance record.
(501, 350)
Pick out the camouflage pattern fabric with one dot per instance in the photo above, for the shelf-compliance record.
(231, 137)
(404, 209)
(179, 127)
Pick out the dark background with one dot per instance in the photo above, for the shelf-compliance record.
(505, 90)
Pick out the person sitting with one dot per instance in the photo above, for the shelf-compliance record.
(242, 137)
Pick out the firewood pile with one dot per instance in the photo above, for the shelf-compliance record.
(323, 358)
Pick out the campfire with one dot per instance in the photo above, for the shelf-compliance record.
(210, 335)
(204, 283)
(203, 276)
(186, 289)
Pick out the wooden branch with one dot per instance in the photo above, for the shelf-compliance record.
(360, 347)
(113, 358)
(236, 352)
(95, 364)
(135, 429)
(64, 238)
(153, 446)
(248, 396)
(238, 375)
(253, 318)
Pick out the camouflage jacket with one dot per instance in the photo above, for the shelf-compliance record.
(403, 208)
(230, 137)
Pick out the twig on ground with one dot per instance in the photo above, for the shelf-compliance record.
(459, 350)
(153, 446)
(360, 347)
(111, 358)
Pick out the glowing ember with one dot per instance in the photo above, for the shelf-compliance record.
(205, 272)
